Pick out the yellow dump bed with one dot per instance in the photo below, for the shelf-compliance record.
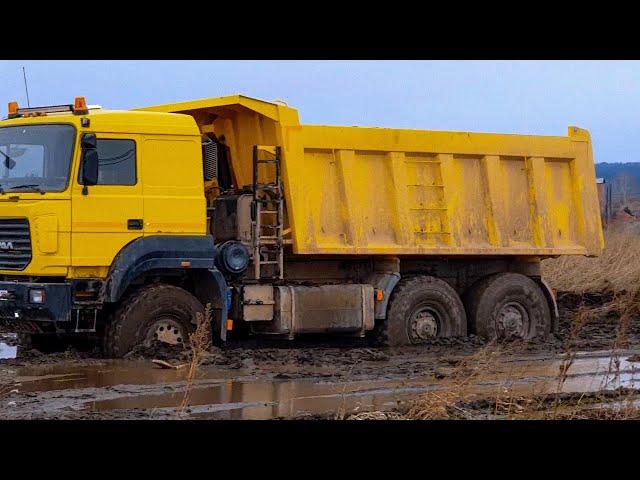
(353, 190)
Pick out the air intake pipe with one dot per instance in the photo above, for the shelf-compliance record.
(209, 159)
(233, 258)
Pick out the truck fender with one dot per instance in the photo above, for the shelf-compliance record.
(385, 282)
(153, 253)
(553, 305)
(211, 288)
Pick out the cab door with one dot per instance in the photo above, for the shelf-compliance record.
(110, 215)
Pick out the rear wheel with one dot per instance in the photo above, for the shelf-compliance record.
(162, 313)
(421, 309)
(508, 306)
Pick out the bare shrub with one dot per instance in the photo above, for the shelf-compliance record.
(199, 345)
(445, 403)
(377, 415)
(5, 390)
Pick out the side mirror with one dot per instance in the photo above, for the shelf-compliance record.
(90, 167)
(89, 141)
(89, 164)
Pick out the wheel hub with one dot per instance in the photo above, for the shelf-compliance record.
(166, 330)
(424, 325)
(512, 321)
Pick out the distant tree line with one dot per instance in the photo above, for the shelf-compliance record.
(624, 179)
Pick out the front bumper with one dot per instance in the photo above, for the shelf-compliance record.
(16, 308)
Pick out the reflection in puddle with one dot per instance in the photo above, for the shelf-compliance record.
(105, 373)
(279, 398)
(8, 351)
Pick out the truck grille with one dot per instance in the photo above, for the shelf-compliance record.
(15, 243)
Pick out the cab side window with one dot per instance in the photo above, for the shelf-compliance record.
(116, 162)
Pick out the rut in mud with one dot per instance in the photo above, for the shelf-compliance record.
(325, 379)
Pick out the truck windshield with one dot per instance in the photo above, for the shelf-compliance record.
(35, 157)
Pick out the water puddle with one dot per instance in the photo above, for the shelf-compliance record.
(127, 386)
(243, 399)
(588, 372)
(8, 349)
(102, 374)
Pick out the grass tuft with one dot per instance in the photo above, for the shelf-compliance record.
(199, 345)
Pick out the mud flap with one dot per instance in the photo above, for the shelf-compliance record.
(211, 288)
(220, 316)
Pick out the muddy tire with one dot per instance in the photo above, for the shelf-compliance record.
(508, 306)
(153, 310)
(421, 308)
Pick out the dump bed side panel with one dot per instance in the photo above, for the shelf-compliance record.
(352, 190)
(357, 190)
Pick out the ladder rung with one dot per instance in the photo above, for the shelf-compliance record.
(269, 237)
(269, 262)
(267, 161)
(269, 211)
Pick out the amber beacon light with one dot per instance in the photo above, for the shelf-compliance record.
(80, 106)
(13, 109)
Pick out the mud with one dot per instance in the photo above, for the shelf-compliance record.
(598, 332)
(319, 378)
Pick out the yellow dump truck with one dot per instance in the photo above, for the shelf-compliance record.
(122, 225)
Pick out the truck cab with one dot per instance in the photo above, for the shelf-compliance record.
(90, 200)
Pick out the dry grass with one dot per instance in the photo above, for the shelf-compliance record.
(623, 408)
(458, 401)
(445, 404)
(341, 414)
(378, 415)
(5, 390)
(616, 270)
(199, 345)
(461, 399)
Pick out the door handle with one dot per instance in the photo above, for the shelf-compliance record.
(134, 224)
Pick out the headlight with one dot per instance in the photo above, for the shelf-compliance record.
(36, 296)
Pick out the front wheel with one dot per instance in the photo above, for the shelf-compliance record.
(422, 308)
(155, 313)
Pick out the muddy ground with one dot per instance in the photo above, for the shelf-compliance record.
(337, 378)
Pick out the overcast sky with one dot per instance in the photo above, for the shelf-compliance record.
(533, 97)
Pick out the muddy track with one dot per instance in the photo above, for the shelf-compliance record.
(315, 378)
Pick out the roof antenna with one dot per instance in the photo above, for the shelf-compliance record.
(24, 75)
